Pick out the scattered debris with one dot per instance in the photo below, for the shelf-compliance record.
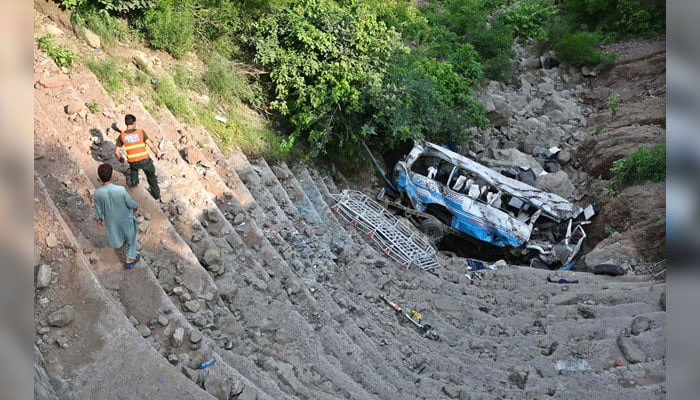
(608, 269)
(414, 317)
(561, 280)
(395, 239)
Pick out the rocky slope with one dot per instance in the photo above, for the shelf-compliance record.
(566, 107)
(245, 264)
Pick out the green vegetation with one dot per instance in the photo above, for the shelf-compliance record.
(109, 73)
(93, 106)
(61, 55)
(608, 231)
(613, 103)
(330, 74)
(169, 26)
(642, 165)
(530, 18)
(108, 27)
(580, 49)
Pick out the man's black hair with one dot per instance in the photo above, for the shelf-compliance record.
(129, 119)
(104, 171)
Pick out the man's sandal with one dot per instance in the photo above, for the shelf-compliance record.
(131, 264)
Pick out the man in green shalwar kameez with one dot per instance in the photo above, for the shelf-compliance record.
(113, 208)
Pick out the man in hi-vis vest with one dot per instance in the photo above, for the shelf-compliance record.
(134, 142)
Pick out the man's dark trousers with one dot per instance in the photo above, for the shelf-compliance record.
(150, 170)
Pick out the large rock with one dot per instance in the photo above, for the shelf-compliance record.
(212, 256)
(558, 183)
(617, 249)
(248, 393)
(599, 151)
(633, 354)
(92, 39)
(548, 61)
(640, 212)
(43, 276)
(62, 317)
(218, 386)
(500, 115)
(514, 158)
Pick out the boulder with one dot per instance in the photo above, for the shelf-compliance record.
(515, 158)
(640, 324)
(564, 156)
(633, 354)
(218, 386)
(248, 393)
(616, 249)
(62, 317)
(212, 256)
(140, 59)
(192, 306)
(500, 115)
(599, 151)
(548, 61)
(43, 276)
(558, 183)
(92, 39)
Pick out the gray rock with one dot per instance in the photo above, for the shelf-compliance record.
(178, 336)
(190, 373)
(640, 324)
(558, 116)
(133, 320)
(530, 63)
(163, 320)
(143, 330)
(62, 342)
(248, 393)
(218, 386)
(43, 276)
(558, 183)
(516, 158)
(500, 116)
(92, 38)
(564, 156)
(62, 317)
(51, 240)
(588, 71)
(192, 306)
(633, 354)
(195, 336)
(212, 256)
(212, 216)
(615, 249)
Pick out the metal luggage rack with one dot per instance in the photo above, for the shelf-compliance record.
(393, 237)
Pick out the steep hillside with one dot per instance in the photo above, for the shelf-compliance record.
(244, 263)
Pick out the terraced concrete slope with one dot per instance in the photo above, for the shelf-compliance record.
(245, 264)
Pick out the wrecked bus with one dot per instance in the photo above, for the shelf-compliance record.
(443, 192)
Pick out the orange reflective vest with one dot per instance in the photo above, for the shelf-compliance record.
(134, 145)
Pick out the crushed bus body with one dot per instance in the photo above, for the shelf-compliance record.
(444, 192)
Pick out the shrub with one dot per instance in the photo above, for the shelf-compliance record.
(108, 73)
(168, 94)
(642, 165)
(169, 26)
(529, 18)
(61, 55)
(93, 106)
(226, 83)
(580, 49)
(100, 21)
